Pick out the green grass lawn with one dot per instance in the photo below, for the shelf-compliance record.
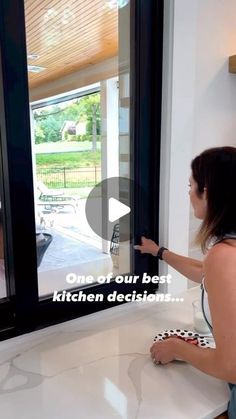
(50, 170)
(71, 160)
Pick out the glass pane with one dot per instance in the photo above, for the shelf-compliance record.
(78, 67)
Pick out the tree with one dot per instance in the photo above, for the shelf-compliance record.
(89, 107)
(50, 119)
(39, 134)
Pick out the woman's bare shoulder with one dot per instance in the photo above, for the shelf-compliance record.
(220, 261)
(222, 248)
(222, 256)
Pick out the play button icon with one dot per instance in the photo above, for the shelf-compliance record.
(108, 204)
(117, 210)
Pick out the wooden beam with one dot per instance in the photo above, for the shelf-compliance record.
(232, 64)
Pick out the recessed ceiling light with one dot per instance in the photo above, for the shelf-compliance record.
(122, 3)
(115, 4)
(35, 69)
(32, 56)
(111, 4)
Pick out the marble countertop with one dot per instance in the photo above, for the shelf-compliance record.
(99, 366)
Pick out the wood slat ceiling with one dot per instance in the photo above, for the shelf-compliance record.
(69, 35)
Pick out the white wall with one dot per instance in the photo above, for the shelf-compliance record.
(215, 87)
(200, 105)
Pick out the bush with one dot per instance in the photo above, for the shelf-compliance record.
(85, 137)
(71, 137)
(81, 137)
(65, 136)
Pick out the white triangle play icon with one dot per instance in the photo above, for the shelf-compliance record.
(117, 209)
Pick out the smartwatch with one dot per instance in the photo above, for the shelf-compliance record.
(160, 252)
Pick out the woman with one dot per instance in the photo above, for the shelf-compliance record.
(213, 197)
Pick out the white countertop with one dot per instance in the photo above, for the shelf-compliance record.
(99, 366)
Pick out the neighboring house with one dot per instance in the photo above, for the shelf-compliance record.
(73, 128)
(68, 127)
(81, 127)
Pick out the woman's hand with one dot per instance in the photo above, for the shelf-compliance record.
(164, 352)
(147, 246)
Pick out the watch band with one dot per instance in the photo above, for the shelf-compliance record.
(160, 252)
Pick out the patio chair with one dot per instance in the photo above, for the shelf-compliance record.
(43, 190)
(114, 246)
(53, 200)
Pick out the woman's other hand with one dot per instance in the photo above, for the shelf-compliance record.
(164, 352)
(147, 246)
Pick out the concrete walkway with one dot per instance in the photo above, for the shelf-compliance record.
(65, 147)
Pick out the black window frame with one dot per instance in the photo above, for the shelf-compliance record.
(23, 311)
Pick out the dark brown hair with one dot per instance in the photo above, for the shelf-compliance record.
(215, 170)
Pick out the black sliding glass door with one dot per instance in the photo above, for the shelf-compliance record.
(80, 99)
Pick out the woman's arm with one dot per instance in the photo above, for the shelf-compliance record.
(191, 268)
(206, 360)
(220, 280)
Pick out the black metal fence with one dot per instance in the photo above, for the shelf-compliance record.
(62, 177)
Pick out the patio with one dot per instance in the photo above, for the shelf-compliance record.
(74, 248)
